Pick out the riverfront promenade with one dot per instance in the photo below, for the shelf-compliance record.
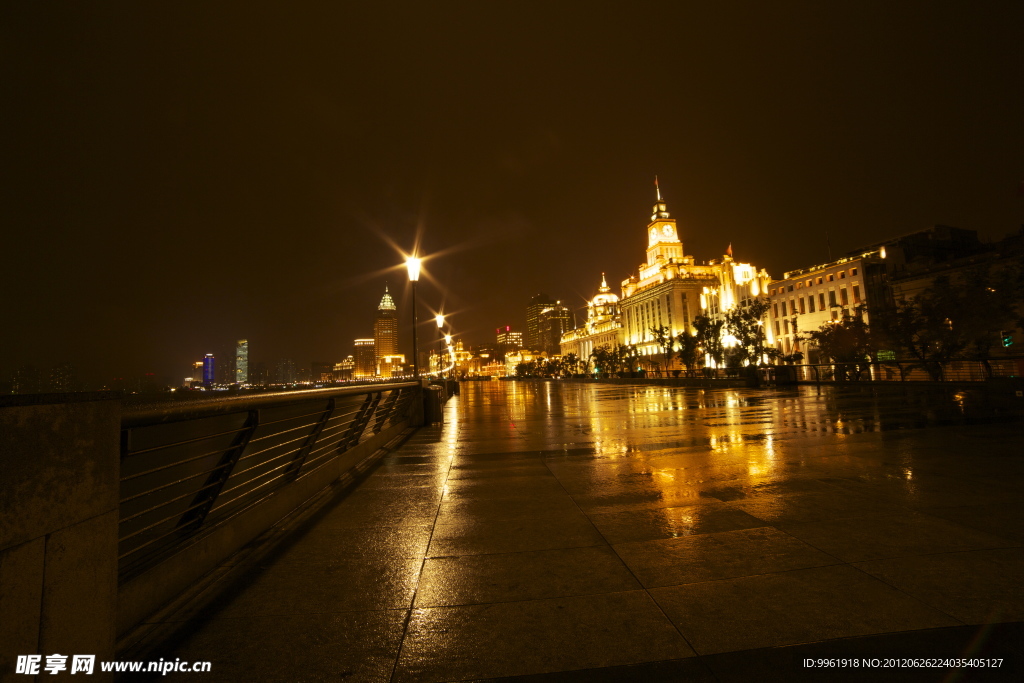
(563, 531)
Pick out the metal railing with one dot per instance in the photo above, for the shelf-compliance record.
(901, 371)
(188, 466)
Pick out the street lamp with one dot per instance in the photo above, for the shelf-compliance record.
(413, 265)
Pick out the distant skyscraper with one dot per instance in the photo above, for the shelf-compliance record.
(553, 322)
(242, 361)
(321, 371)
(385, 331)
(509, 339)
(209, 369)
(366, 361)
(27, 380)
(533, 339)
(62, 378)
(285, 373)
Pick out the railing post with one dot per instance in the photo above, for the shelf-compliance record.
(204, 500)
(300, 456)
(359, 422)
(385, 411)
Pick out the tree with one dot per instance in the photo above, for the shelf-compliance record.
(663, 337)
(746, 324)
(709, 337)
(603, 361)
(848, 342)
(689, 351)
(954, 318)
(571, 363)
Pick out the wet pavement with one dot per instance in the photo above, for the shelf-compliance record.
(574, 531)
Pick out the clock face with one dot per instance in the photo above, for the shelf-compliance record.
(667, 230)
(654, 234)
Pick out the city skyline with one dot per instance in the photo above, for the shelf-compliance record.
(261, 181)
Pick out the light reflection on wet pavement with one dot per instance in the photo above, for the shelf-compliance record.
(558, 527)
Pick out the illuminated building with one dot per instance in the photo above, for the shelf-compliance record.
(391, 365)
(242, 361)
(209, 369)
(343, 370)
(534, 336)
(365, 360)
(672, 288)
(552, 323)
(602, 328)
(805, 299)
(385, 335)
(509, 339)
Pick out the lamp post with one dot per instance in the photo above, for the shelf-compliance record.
(439, 319)
(413, 265)
(451, 353)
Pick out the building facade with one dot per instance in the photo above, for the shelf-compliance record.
(365, 359)
(508, 339)
(807, 298)
(242, 361)
(553, 322)
(385, 335)
(668, 292)
(533, 339)
(603, 326)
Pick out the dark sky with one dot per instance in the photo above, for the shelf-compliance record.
(178, 177)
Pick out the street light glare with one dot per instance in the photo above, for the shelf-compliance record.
(439, 319)
(413, 264)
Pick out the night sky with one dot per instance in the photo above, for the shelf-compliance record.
(176, 178)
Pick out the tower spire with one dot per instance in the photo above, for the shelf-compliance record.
(660, 209)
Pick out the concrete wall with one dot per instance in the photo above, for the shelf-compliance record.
(59, 470)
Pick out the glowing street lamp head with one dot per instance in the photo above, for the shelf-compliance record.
(448, 339)
(439, 319)
(413, 264)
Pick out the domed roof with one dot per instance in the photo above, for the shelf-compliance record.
(605, 295)
(387, 303)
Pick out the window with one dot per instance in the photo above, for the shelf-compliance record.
(842, 297)
(853, 272)
(785, 326)
(810, 282)
(773, 292)
(790, 288)
(821, 300)
(783, 308)
(834, 315)
(856, 294)
(832, 299)
(776, 328)
(810, 303)
(802, 309)
(775, 312)
(842, 274)
(830, 277)
(819, 280)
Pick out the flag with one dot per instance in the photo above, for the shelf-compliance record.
(729, 250)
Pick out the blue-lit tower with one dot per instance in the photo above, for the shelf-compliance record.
(209, 369)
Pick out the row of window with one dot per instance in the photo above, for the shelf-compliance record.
(791, 326)
(807, 304)
(810, 282)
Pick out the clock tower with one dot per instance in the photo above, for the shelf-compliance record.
(663, 242)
